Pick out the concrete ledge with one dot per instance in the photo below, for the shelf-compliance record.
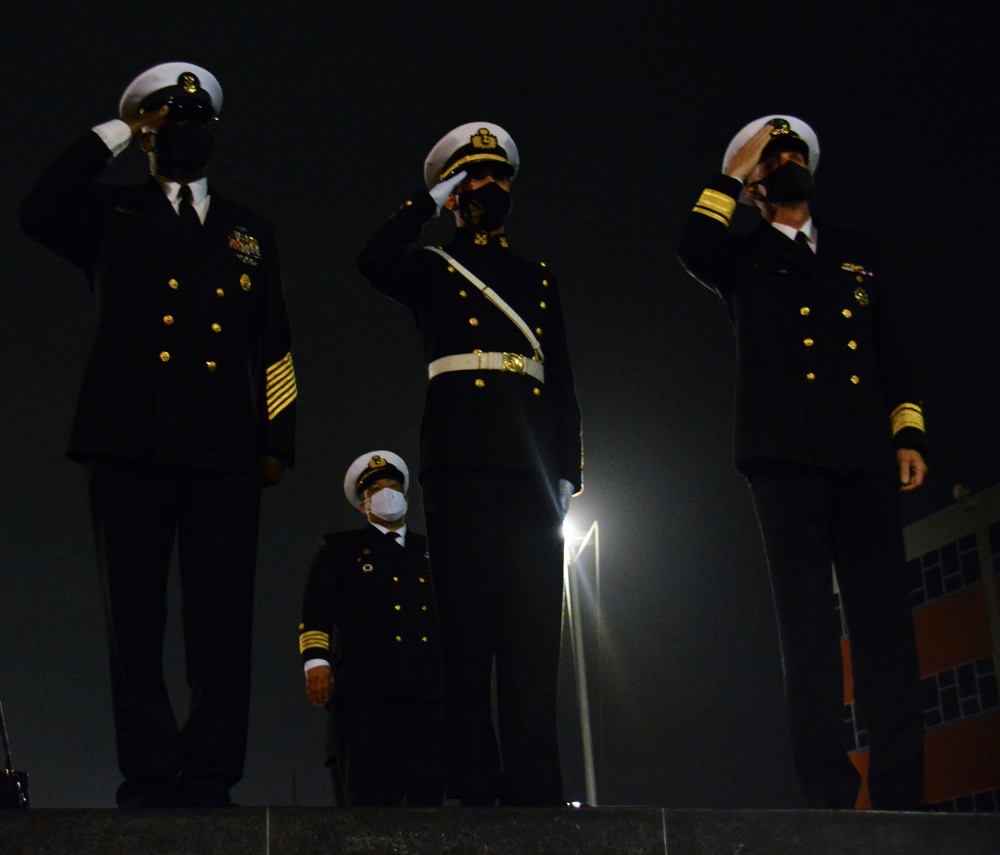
(494, 831)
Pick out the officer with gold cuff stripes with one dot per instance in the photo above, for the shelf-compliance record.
(828, 430)
(500, 456)
(187, 408)
(371, 647)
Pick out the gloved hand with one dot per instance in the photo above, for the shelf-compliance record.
(565, 494)
(442, 191)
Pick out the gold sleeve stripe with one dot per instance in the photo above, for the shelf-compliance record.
(712, 215)
(907, 416)
(314, 639)
(712, 202)
(281, 388)
(277, 375)
(283, 364)
(276, 406)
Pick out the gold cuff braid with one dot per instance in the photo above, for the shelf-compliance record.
(314, 639)
(716, 205)
(907, 416)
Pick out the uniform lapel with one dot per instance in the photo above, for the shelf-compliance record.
(381, 544)
(830, 253)
(164, 221)
(774, 241)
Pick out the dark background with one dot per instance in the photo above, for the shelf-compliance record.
(621, 114)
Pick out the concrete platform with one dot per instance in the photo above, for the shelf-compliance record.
(493, 831)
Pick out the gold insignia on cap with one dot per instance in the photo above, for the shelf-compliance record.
(189, 81)
(377, 462)
(483, 139)
(781, 128)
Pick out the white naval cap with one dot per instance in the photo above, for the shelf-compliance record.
(373, 466)
(470, 143)
(788, 131)
(169, 82)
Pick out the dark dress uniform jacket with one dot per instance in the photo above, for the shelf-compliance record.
(191, 361)
(821, 363)
(509, 421)
(368, 609)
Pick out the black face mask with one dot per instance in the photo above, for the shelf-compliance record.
(183, 149)
(485, 208)
(790, 182)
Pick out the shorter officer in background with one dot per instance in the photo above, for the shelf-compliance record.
(370, 591)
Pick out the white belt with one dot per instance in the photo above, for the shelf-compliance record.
(493, 361)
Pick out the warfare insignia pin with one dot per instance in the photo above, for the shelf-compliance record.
(245, 246)
(858, 271)
(861, 295)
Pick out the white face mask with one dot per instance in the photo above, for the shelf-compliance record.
(387, 504)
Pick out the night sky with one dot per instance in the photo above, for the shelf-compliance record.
(621, 115)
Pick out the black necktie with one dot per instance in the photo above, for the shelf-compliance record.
(190, 222)
(393, 536)
(802, 239)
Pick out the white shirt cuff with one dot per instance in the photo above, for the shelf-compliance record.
(115, 134)
(314, 663)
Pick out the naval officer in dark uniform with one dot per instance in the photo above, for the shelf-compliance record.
(371, 647)
(829, 428)
(187, 408)
(500, 457)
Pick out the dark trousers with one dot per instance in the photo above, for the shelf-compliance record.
(496, 550)
(138, 513)
(387, 752)
(812, 520)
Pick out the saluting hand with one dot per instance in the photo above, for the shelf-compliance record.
(747, 157)
(150, 121)
(442, 191)
(319, 681)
